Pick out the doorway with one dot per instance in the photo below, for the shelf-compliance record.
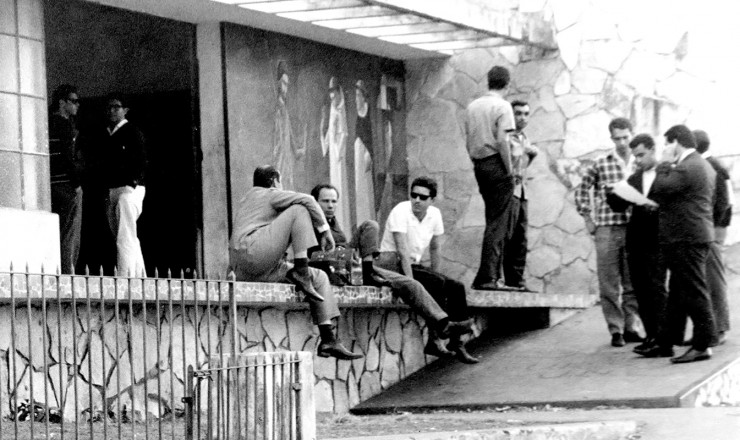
(151, 60)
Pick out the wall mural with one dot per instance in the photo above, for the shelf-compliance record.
(319, 114)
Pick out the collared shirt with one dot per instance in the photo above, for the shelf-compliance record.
(522, 154)
(685, 154)
(119, 125)
(606, 171)
(648, 177)
(484, 117)
(418, 233)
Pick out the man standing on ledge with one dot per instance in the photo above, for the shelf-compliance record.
(515, 247)
(66, 173)
(122, 165)
(268, 222)
(489, 119)
(609, 229)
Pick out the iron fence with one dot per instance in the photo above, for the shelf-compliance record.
(85, 357)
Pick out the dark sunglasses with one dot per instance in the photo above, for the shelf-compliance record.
(421, 197)
(74, 101)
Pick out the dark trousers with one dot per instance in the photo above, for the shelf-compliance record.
(449, 293)
(66, 201)
(515, 248)
(688, 293)
(497, 189)
(648, 274)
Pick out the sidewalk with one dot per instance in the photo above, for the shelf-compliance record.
(643, 424)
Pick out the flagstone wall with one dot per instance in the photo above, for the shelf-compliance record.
(608, 65)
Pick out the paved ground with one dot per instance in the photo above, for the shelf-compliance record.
(571, 364)
(652, 424)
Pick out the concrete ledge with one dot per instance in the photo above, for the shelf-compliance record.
(720, 389)
(496, 298)
(609, 430)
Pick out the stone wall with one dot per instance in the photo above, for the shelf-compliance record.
(606, 66)
(141, 349)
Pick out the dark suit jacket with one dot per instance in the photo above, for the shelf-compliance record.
(722, 207)
(685, 193)
(642, 229)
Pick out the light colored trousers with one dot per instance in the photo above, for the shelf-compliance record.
(124, 207)
(618, 301)
(260, 257)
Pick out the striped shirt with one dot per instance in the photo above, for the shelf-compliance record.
(605, 171)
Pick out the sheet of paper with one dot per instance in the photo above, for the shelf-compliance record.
(629, 193)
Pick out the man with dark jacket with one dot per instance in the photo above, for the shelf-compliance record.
(121, 162)
(66, 173)
(646, 267)
(684, 189)
(722, 214)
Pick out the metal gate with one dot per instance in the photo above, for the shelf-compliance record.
(265, 396)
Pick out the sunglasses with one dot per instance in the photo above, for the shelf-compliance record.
(422, 197)
(74, 101)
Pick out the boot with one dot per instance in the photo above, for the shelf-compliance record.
(372, 278)
(302, 280)
(457, 346)
(330, 346)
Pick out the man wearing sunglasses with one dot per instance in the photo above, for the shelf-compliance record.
(66, 172)
(413, 228)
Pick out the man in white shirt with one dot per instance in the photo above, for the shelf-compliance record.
(412, 227)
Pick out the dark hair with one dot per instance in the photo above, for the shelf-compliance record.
(120, 97)
(642, 139)
(265, 175)
(317, 189)
(281, 69)
(62, 93)
(620, 124)
(518, 103)
(498, 78)
(702, 140)
(682, 134)
(426, 182)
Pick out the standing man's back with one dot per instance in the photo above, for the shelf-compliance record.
(489, 119)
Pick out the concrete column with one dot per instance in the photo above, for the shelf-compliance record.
(213, 145)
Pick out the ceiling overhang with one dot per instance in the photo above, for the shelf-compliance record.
(438, 26)
(397, 29)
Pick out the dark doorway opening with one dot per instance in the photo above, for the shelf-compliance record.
(151, 60)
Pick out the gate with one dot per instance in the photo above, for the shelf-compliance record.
(265, 396)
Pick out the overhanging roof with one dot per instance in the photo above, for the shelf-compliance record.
(435, 26)
(397, 29)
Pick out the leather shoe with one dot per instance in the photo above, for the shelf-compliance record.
(647, 343)
(436, 347)
(375, 279)
(692, 355)
(654, 351)
(462, 355)
(721, 338)
(633, 337)
(617, 340)
(303, 283)
(337, 350)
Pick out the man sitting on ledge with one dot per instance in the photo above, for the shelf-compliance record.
(365, 240)
(268, 221)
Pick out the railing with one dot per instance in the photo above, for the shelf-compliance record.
(262, 396)
(106, 357)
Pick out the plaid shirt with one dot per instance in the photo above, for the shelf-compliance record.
(606, 170)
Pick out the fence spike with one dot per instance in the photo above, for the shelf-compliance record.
(115, 271)
(195, 274)
(11, 266)
(182, 273)
(169, 273)
(28, 270)
(156, 272)
(232, 275)
(59, 271)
